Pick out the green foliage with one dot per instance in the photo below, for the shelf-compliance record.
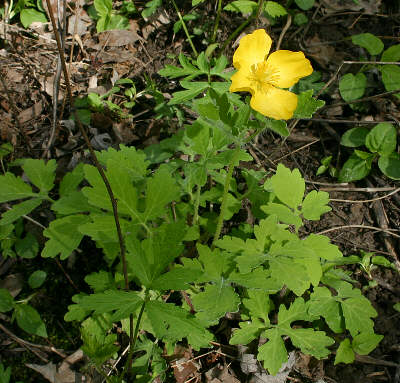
(370, 42)
(352, 87)
(305, 4)
(5, 374)
(107, 19)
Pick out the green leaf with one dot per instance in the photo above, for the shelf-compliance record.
(13, 188)
(5, 374)
(29, 320)
(390, 166)
(371, 43)
(344, 353)
(365, 342)
(6, 301)
(5, 149)
(391, 77)
(37, 278)
(176, 279)
(273, 353)
(354, 137)
(187, 69)
(305, 4)
(173, 323)
(247, 332)
(64, 236)
(307, 105)
(242, 6)
(315, 204)
(103, 7)
(382, 139)
(355, 168)
(118, 22)
(322, 247)
(30, 15)
(151, 7)
(277, 126)
(258, 304)
(357, 313)
(288, 186)
(41, 174)
(300, 19)
(274, 9)
(391, 54)
(352, 87)
(19, 210)
(193, 89)
(100, 281)
(283, 213)
(27, 247)
(123, 303)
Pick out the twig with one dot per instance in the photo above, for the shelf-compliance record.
(297, 150)
(388, 231)
(366, 200)
(284, 30)
(331, 121)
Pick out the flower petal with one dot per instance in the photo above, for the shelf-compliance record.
(253, 48)
(289, 67)
(276, 103)
(240, 81)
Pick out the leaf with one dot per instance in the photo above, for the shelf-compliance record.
(311, 342)
(173, 323)
(288, 186)
(193, 89)
(322, 247)
(31, 15)
(352, 87)
(123, 303)
(300, 19)
(29, 320)
(277, 126)
(100, 281)
(371, 43)
(365, 342)
(307, 105)
(19, 210)
(64, 236)
(354, 137)
(391, 77)
(27, 247)
(296, 311)
(315, 204)
(37, 278)
(344, 353)
(103, 7)
(5, 374)
(6, 301)
(283, 213)
(390, 166)
(274, 9)
(382, 139)
(305, 4)
(41, 174)
(13, 188)
(355, 168)
(151, 7)
(242, 6)
(391, 54)
(273, 353)
(187, 69)
(176, 279)
(247, 332)
(258, 304)
(357, 313)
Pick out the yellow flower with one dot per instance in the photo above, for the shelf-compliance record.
(263, 77)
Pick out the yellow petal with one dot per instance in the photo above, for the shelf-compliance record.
(276, 103)
(240, 81)
(253, 48)
(288, 67)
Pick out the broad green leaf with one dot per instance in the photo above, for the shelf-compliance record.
(307, 105)
(354, 137)
(76, 312)
(198, 136)
(344, 353)
(391, 77)
(242, 6)
(100, 281)
(118, 22)
(202, 62)
(247, 332)
(5, 374)
(103, 7)
(37, 278)
(390, 166)
(31, 15)
(274, 9)
(305, 4)
(296, 311)
(382, 139)
(391, 54)
(370, 42)
(72, 203)
(6, 301)
(64, 236)
(102, 228)
(283, 213)
(259, 279)
(277, 126)
(41, 174)
(29, 320)
(288, 186)
(27, 247)
(300, 19)
(123, 303)
(310, 342)
(176, 279)
(192, 90)
(273, 353)
(258, 304)
(365, 342)
(322, 247)
(352, 87)
(13, 188)
(315, 204)
(19, 210)
(357, 313)
(151, 7)
(173, 323)
(355, 168)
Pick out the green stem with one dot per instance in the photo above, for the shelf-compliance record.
(214, 35)
(225, 195)
(196, 205)
(185, 28)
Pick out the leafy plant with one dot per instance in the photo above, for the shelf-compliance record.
(29, 12)
(107, 19)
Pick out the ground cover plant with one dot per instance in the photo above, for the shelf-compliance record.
(167, 228)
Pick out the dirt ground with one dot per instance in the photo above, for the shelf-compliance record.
(28, 62)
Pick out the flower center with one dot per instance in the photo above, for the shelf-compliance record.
(263, 76)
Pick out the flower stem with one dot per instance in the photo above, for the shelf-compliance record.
(185, 28)
(225, 195)
(214, 35)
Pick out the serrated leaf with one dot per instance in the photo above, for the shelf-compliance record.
(315, 204)
(13, 188)
(352, 87)
(296, 311)
(354, 137)
(382, 139)
(258, 304)
(29, 320)
(187, 69)
(365, 342)
(6, 301)
(73, 203)
(274, 9)
(283, 213)
(322, 247)
(357, 313)
(307, 105)
(176, 279)
(64, 236)
(19, 210)
(273, 353)
(344, 353)
(192, 90)
(173, 323)
(288, 186)
(247, 332)
(370, 42)
(41, 174)
(100, 281)
(242, 6)
(391, 54)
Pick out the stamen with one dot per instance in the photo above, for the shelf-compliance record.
(263, 76)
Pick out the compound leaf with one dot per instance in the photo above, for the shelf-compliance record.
(315, 204)
(40, 173)
(273, 353)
